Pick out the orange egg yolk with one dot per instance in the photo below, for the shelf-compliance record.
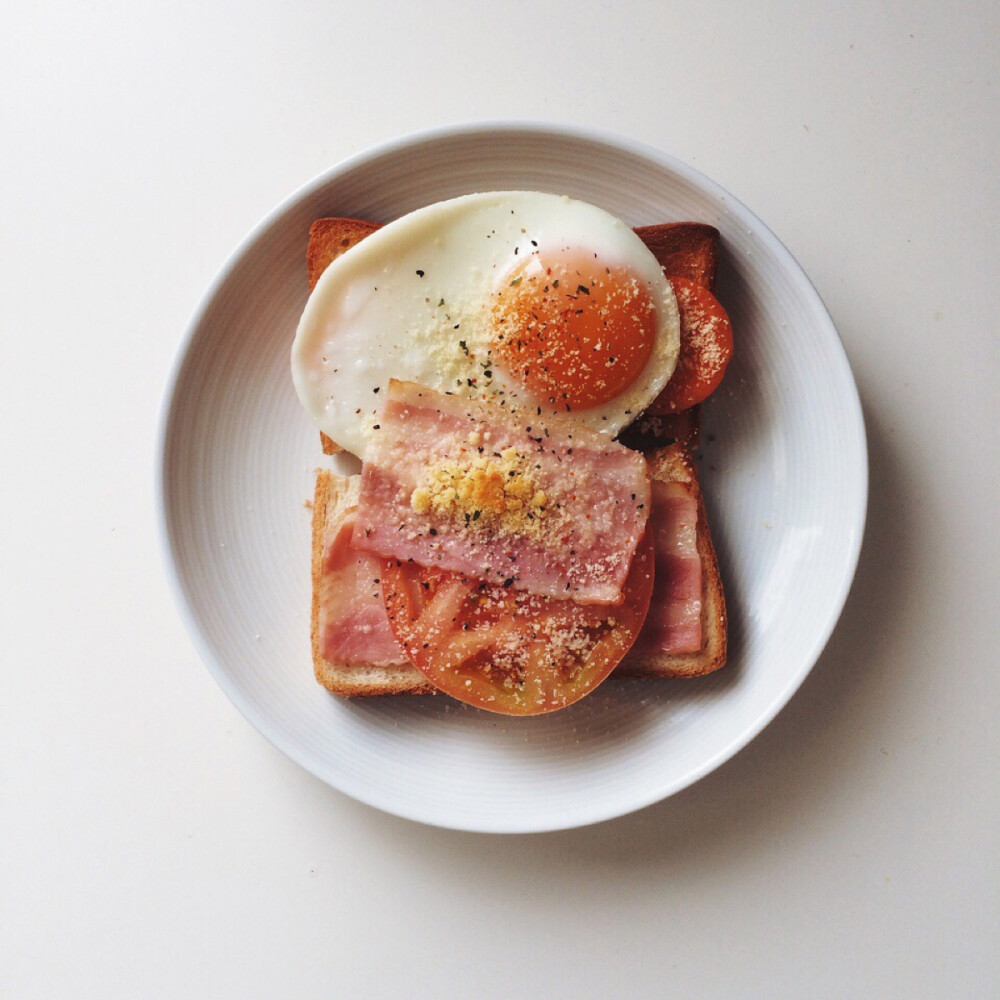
(573, 331)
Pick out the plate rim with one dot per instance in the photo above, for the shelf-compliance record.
(170, 401)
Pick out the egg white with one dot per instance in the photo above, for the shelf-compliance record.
(412, 302)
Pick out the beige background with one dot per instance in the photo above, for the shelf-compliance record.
(153, 844)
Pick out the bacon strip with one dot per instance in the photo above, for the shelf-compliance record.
(673, 624)
(596, 497)
(353, 626)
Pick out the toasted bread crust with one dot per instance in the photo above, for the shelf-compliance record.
(329, 238)
(335, 497)
(686, 249)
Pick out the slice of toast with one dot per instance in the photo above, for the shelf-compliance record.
(329, 238)
(687, 249)
(336, 499)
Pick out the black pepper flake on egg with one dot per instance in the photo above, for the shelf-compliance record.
(420, 273)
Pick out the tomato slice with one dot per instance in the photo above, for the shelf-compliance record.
(505, 650)
(706, 347)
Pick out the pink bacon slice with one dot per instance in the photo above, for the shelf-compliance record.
(353, 625)
(673, 624)
(597, 497)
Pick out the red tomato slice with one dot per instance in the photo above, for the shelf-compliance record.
(505, 650)
(706, 347)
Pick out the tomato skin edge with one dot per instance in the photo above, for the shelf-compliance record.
(706, 349)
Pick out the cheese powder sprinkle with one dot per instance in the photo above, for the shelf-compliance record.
(496, 493)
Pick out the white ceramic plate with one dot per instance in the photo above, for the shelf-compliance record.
(784, 470)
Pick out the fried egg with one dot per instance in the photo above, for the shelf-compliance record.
(539, 302)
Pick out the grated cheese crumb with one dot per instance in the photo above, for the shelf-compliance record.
(490, 492)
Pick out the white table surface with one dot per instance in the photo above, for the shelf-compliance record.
(154, 845)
